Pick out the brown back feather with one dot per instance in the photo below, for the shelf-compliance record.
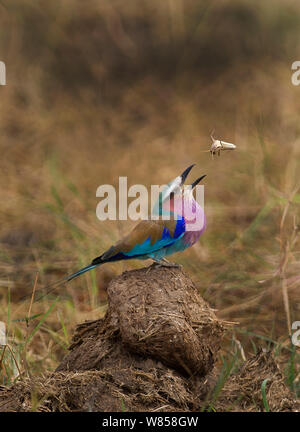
(140, 233)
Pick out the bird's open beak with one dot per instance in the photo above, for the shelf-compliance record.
(175, 185)
(198, 181)
(185, 174)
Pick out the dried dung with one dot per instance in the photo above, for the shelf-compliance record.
(154, 350)
(243, 390)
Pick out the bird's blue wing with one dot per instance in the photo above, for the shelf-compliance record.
(147, 237)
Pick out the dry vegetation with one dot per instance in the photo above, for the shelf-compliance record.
(109, 90)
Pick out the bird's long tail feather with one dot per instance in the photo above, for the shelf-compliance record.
(80, 272)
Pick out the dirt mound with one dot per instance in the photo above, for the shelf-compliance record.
(155, 350)
(157, 313)
(127, 389)
(157, 389)
(243, 390)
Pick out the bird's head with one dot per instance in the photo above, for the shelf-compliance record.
(175, 186)
(177, 198)
(172, 191)
(184, 201)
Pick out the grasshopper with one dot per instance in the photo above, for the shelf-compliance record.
(218, 145)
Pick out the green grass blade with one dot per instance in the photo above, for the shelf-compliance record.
(29, 338)
(264, 396)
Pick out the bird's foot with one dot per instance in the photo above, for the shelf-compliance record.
(165, 263)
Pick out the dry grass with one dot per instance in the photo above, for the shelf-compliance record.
(139, 96)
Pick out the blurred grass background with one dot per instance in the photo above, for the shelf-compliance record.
(105, 89)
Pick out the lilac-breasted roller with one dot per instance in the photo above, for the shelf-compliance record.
(159, 238)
